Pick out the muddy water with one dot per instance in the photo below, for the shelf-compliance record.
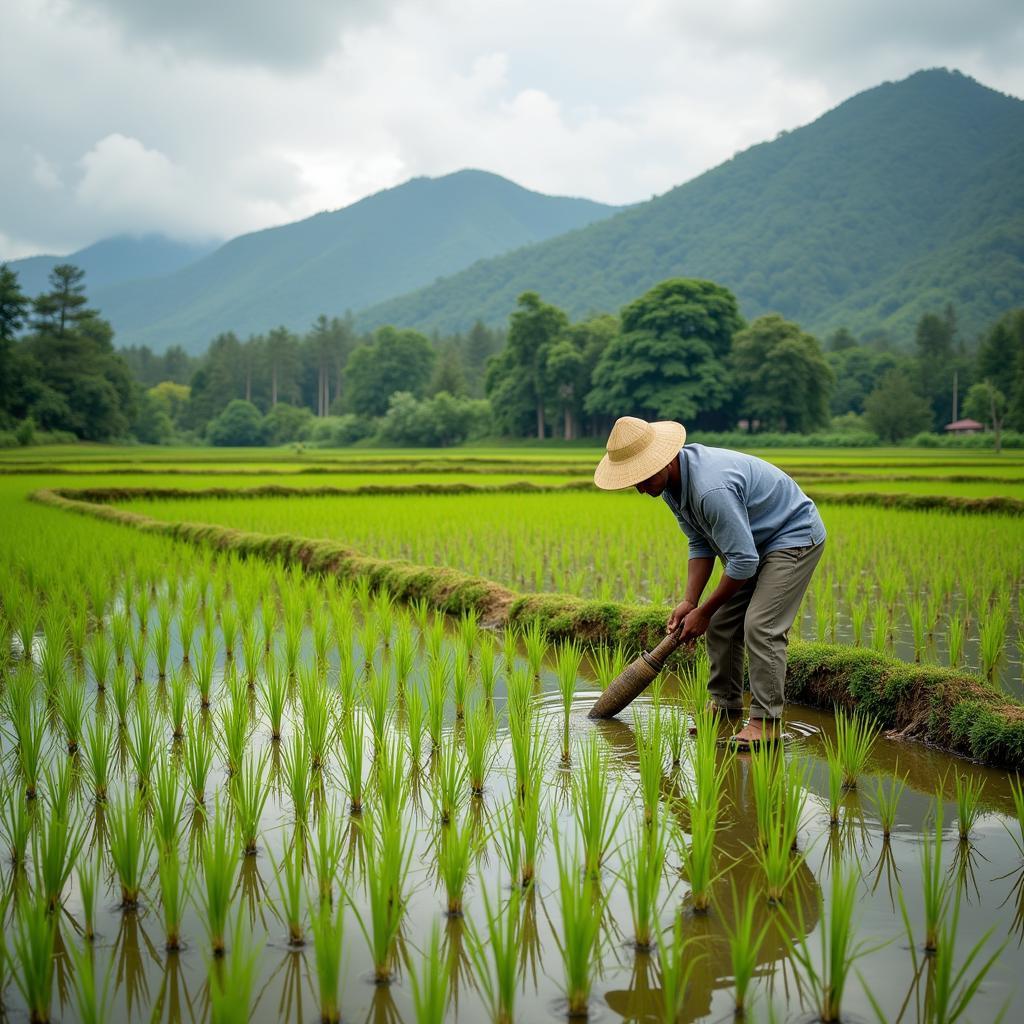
(146, 983)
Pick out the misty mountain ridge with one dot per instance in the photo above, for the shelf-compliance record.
(901, 199)
(382, 246)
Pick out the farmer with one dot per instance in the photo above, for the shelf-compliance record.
(769, 536)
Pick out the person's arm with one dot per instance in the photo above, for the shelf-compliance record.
(730, 530)
(698, 572)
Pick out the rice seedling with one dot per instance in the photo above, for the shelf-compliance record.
(449, 782)
(858, 618)
(143, 740)
(644, 861)
(775, 854)
(198, 757)
(130, 846)
(793, 796)
(594, 804)
(462, 678)
(253, 651)
(855, 739)
(32, 942)
(138, 647)
(495, 953)
(536, 643)
(403, 654)
(297, 776)
(317, 717)
(675, 729)
(469, 630)
(368, 633)
(99, 755)
(288, 872)
(608, 662)
(99, 659)
(430, 984)
(161, 641)
(390, 778)
(378, 703)
(17, 825)
(880, 628)
(915, 612)
(175, 880)
(530, 827)
(415, 722)
(745, 942)
(30, 735)
(274, 698)
(828, 972)
(188, 614)
(835, 783)
(1017, 794)
(167, 802)
(650, 753)
(486, 666)
(389, 850)
(231, 980)
(437, 693)
(89, 872)
(529, 742)
(228, 627)
(698, 855)
(384, 615)
(569, 659)
(177, 703)
(434, 639)
(320, 629)
(328, 931)
(968, 789)
(205, 662)
(582, 908)
(456, 849)
(888, 790)
(249, 792)
(325, 852)
(767, 768)
(936, 884)
(479, 744)
(956, 634)
(52, 661)
(993, 640)
(56, 845)
(219, 853)
(121, 693)
(235, 729)
(352, 762)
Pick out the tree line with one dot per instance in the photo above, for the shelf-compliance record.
(680, 351)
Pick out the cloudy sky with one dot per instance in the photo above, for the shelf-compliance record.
(205, 119)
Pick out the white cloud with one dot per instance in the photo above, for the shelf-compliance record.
(196, 120)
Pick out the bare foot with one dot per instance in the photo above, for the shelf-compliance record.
(756, 729)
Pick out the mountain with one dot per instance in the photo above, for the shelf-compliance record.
(901, 199)
(384, 245)
(110, 262)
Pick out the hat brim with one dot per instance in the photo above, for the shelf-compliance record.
(669, 437)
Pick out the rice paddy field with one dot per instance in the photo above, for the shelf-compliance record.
(236, 791)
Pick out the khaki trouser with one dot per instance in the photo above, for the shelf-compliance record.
(758, 617)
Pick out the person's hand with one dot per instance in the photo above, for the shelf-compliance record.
(695, 624)
(679, 613)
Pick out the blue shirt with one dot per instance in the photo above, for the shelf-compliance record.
(739, 508)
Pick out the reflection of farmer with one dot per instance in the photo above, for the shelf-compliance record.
(767, 533)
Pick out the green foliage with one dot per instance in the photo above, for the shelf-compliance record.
(783, 379)
(395, 360)
(239, 425)
(894, 411)
(436, 422)
(670, 360)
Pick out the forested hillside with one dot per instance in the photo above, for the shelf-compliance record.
(382, 246)
(903, 198)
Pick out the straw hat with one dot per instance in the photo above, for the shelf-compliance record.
(636, 450)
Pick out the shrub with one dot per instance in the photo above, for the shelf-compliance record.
(240, 424)
(286, 423)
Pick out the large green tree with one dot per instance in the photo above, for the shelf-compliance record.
(669, 362)
(534, 327)
(14, 305)
(395, 360)
(782, 377)
(1001, 352)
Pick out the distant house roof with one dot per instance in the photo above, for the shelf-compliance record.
(965, 425)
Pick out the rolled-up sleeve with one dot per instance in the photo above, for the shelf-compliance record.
(726, 515)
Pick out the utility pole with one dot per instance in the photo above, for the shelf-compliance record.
(955, 375)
